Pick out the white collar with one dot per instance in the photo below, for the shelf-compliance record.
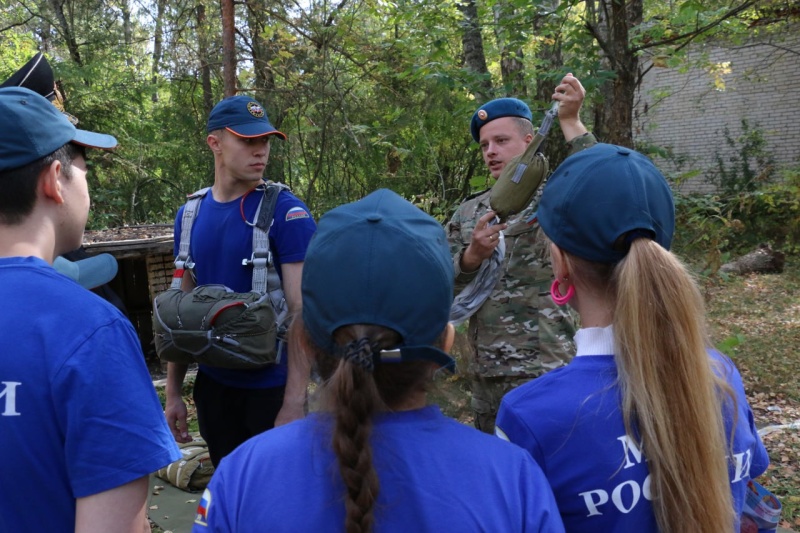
(595, 341)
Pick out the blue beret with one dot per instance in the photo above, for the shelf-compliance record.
(501, 107)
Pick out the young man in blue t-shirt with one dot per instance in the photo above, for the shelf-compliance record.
(234, 405)
(81, 427)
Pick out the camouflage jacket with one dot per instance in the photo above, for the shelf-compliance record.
(518, 331)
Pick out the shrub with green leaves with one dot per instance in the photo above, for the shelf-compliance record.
(703, 230)
(748, 167)
(772, 213)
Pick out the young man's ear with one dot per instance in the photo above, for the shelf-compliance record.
(50, 181)
(213, 142)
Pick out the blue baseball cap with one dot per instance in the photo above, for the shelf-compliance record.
(501, 107)
(600, 199)
(242, 116)
(381, 261)
(90, 272)
(31, 127)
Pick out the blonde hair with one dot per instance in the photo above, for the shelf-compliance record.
(672, 399)
(353, 396)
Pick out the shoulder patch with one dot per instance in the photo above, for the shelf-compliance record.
(201, 518)
(296, 213)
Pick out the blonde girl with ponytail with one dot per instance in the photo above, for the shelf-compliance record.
(648, 429)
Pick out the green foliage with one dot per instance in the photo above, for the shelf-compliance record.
(772, 213)
(371, 94)
(749, 164)
(703, 230)
(712, 228)
(752, 206)
(729, 343)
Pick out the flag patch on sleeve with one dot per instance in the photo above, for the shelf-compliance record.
(201, 518)
(296, 213)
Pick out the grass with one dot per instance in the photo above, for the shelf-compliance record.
(755, 319)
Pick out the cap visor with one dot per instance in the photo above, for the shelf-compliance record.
(94, 140)
(90, 272)
(254, 130)
(421, 353)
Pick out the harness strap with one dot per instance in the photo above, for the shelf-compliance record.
(265, 276)
(183, 262)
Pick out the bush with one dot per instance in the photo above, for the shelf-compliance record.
(772, 213)
(703, 230)
(711, 228)
(749, 166)
(753, 205)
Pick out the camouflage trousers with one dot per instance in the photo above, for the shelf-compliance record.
(486, 396)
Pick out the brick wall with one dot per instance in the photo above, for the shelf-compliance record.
(685, 112)
(160, 268)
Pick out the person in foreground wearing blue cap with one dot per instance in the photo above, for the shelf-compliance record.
(91, 272)
(377, 291)
(79, 418)
(233, 405)
(517, 333)
(648, 429)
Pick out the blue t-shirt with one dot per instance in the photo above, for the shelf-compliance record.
(435, 474)
(221, 239)
(78, 411)
(570, 421)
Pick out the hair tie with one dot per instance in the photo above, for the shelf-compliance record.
(360, 353)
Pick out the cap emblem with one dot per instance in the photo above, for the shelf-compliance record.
(255, 109)
(482, 114)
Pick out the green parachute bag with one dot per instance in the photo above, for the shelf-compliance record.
(214, 326)
(522, 176)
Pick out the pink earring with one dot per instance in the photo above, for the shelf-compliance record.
(555, 293)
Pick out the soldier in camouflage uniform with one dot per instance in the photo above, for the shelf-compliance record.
(518, 333)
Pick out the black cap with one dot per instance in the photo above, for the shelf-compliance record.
(36, 75)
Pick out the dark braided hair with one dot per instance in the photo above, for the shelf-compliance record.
(357, 398)
(353, 395)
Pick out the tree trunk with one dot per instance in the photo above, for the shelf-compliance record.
(609, 21)
(265, 79)
(205, 68)
(549, 60)
(761, 260)
(127, 32)
(511, 56)
(66, 31)
(474, 55)
(158, 39)
(228, 48)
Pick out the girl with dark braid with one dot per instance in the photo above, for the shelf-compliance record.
(647, 429)
(374, 456)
